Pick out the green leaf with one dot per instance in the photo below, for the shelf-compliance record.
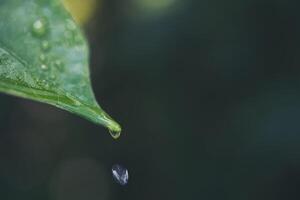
(44, 57)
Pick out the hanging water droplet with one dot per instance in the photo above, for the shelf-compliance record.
(114, 134)
(120, 174)
(39, 27)
(43, 57)
(45, 45)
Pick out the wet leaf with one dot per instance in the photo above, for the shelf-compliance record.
(44, 57)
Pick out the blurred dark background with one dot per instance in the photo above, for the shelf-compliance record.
(207, 92)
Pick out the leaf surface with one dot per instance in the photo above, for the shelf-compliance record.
(44, 57)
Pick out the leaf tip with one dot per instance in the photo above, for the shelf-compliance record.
(113, 127)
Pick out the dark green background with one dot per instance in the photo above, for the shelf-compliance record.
(207, 91)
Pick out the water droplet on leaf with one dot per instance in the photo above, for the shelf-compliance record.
(120, 174)
(45, 45)
(43, 57)
(52, 76)
(39, 27)
(77, 103)
(44, 67)
(58, 64)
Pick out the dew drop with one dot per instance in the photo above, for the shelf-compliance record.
(39, 27)
(44, 83)
(45, 45)
(77, 103)
(52, 76)
(58, 64)
(114, 134)
(44, 67)
(120, 174)
(43, 57)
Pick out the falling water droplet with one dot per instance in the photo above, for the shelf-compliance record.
(39, 27)
(120, 174)
(114, 134)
